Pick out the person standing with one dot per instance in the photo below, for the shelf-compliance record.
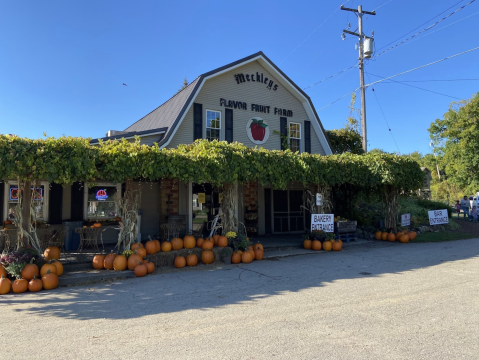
(465, 206)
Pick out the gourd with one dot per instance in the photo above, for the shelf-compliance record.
(191, 260)
(150, 267)
(5, 285)
(48, 267)
(141, 270)
(177, 244)
(120, 263)
(189, 242)
(207, 244)
(258, 253)
(180, 262)
(236, 257)
(99, 262)
(199, 242)
(59, 267)
(20, 286)
(50, 280)
(207, 256)
(135, 246)
(35, 284)
(109, 259)
(327, 246)
(247, 257)
(150, 247)
(391, 237)
(316, 245)
(52, 252)
(166, 246)
(377, 235)
(222, 241)
(29, 271)
(134, 260)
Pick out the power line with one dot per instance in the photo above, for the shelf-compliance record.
(420, 88)
(307, 37)
(435, 80)
(420, 67)
(329, 77)
(335, 101)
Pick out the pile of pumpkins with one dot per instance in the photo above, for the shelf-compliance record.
(402, 236)
(252, 252)
(328, 245)
(34, 279)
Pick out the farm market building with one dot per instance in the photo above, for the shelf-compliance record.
(250, 101)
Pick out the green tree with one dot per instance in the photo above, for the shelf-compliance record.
(184, 86)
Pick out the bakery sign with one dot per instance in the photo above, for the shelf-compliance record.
(257, 130)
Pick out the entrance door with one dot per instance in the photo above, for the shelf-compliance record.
(205, 205)
(287, 212)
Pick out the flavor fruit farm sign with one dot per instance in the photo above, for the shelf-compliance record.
(437, 217)
(257, 130)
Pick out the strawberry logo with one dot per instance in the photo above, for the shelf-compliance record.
(258, 129)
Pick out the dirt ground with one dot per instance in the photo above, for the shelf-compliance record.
(468, 227)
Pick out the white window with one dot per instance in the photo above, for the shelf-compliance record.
(295, 137)
(40, 200)
(213, 125)
(100, 201)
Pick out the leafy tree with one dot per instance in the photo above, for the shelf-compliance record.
(184, 86)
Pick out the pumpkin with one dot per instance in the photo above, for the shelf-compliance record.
(391, 237)
(20, 286)
(35, 284)
(140, 270)
(258, 244)
(222, 241)
(247, 257)
(337, 246)
(250, 247)
(134, 260)
(108, 263)
(157, 244)
(29, 271)
(177, 244)
(404, 238)
(215, 239)
(150, 247)
(135, 246)
(150, 267)
(166, 246)
(412, 235)
(97, 225)
(327, 246)
(384, 235)
(377, 235)
(307, 244)
(207, 257)
(120, 263)
(3, 271)
(180, 262)
(52, 252)
(236, 258)
(258, 253)
(5, 285)
(199, 242)
(7, 222)
(316, 245)
(50, 280)
(207, 244)
(98, 262)
(59, 267)
(141, 252)
(189, 242)
(48, 267)
(191, 260)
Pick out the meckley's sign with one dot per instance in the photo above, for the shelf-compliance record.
(259, 78)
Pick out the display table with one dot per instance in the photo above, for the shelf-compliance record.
(89, 238)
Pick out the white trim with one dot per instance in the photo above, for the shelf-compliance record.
(46, 198)
(290, 137)
(130, 137)
(85, 196)
(206, 123)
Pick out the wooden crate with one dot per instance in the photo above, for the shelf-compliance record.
(341, 227)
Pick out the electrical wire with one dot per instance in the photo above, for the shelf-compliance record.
(329, 77)
(307, 37)
(335, 101)
(423, 30)
(436, 80)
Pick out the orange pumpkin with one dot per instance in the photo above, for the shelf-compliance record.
(207, 244)
(7, 222)
(316, 245)
(150, 267)
(236, 258)
(134, 260)
(141, 270)
(247, 257)
(222, 241)
(215, 239)
(258, 253)
(99, 262)
(108, 262)
(118, 218)
(307, 244)
(384, 235)
(59, 267)
(3, 271)
(166, 246)
(207, 257)
(20, 286)
(150, 247)
(120, 263)
(5, 285)
(157, 244)
(135, 246)
(189, 242)
(180, 262)
(404, 238)
(177, 244)
(141, 252)
(377, 235)
(96, 225)
(48, 267)
(191, 260)
(35, 284)
(337, 246)
(327, 246)
(391, 237)
(199, 242)
(50, 280)
(412, 235)
(29, 271)
(258, 244)
(52, 252)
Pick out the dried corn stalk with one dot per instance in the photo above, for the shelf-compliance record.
(229, 222)
(128, 207)
(391, 207)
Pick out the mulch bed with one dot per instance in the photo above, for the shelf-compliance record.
(468, 227)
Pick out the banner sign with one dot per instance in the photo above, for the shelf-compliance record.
(405, 219)
(323, 222)
(437, 217)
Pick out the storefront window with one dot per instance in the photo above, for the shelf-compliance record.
(295, 136)
(213, 125)
(39, 203)
(101, 202)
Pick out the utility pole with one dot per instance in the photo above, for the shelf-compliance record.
(359, 12)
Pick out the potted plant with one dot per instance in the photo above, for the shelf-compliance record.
(317, 235)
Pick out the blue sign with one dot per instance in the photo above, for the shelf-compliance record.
(101, 195)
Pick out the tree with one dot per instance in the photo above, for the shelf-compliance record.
(185, 85)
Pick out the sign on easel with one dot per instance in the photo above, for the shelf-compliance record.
(437, 217)
(405, 219)
(324, 222)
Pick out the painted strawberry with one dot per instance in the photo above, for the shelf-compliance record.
(258, 129)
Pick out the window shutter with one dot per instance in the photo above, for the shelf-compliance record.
(229, 125)
(307, 136)
(283, 125)
(197, 121)
(2, 192)
(56, 203)
(77, 201)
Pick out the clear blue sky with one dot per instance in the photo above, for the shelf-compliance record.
(63, 62)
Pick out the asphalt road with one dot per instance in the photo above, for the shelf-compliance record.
(373, 301)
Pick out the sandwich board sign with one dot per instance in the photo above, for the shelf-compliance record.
(437, 217)
(323, 222)
(405, 219)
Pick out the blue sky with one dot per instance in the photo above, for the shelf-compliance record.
(63, 62)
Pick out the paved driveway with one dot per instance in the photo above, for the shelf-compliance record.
(374, 301)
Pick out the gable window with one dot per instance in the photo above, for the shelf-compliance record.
(213, 125)
(295, 137)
